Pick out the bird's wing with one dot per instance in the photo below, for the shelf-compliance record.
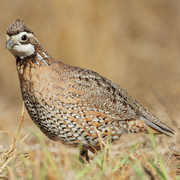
(105, 95)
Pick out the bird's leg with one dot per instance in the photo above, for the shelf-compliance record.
(83, 154)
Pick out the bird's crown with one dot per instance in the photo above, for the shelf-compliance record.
(17, 27)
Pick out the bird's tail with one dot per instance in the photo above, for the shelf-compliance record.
(144, 125)
(157, 126)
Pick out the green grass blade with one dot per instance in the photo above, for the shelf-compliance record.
(131, 151)
(161, 162)
(138, 170)
(160, 174)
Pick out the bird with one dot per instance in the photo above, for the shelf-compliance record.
(73, 105)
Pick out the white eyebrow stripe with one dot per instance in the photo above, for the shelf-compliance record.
(18, 36)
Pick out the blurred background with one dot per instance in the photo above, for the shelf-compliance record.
(133, 43)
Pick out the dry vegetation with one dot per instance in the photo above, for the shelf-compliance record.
(134, 43)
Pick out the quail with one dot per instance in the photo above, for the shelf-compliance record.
(71, 104)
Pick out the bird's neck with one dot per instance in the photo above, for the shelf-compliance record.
(40, 57)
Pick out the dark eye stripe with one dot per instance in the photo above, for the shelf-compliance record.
(24, 42)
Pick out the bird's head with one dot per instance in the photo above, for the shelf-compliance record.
(21, 41)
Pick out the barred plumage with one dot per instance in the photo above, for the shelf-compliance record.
(71, 104)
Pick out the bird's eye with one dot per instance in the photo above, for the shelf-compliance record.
(24, 38)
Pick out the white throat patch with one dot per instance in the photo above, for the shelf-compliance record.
(23, 51)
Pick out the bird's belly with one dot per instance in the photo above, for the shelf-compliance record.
(71, 126)
(60, 124)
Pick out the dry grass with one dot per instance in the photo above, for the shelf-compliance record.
(47, 160)
(135, 44)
